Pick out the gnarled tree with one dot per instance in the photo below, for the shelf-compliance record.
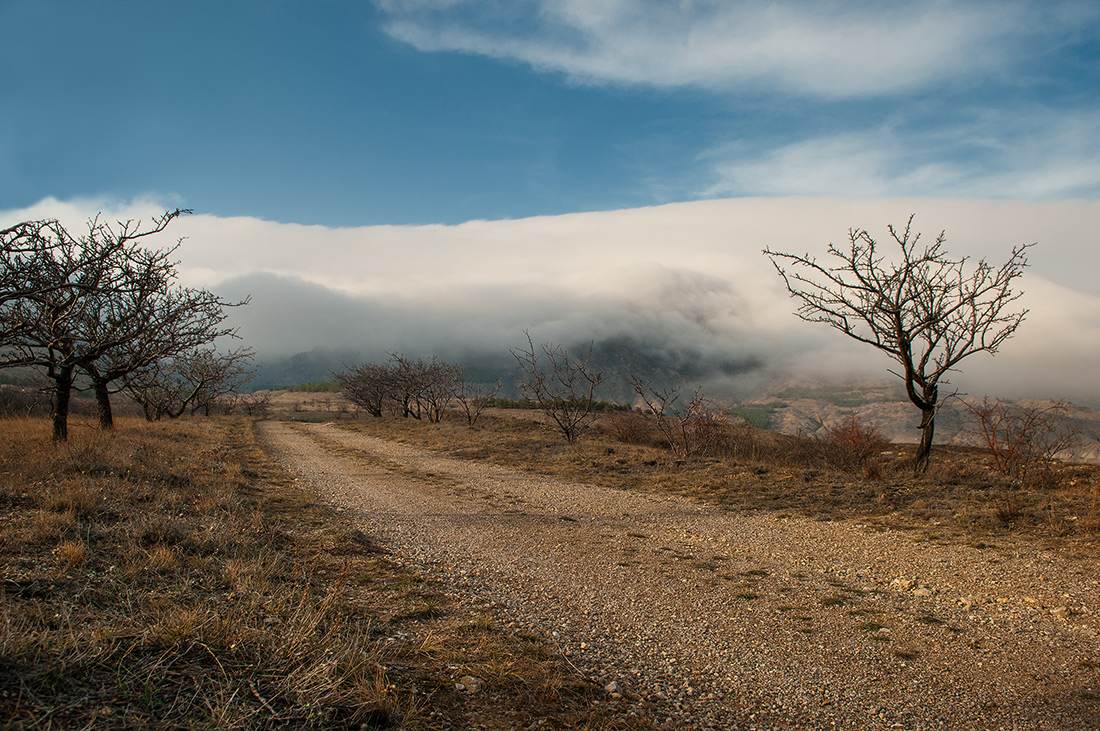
(55, 312)
(367, 385)
(97, 307)
(151, 321)
(925, 310)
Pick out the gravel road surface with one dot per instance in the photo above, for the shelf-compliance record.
(721, 619)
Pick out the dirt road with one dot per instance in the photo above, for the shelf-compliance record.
(733, 620)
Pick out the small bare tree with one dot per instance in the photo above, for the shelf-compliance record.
(437, 381)
(191, 381)
(367, 386)
(927, 311)
(563, 386)
(406, 383)
(474, 397)
(676, 419)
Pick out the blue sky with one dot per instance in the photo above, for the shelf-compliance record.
(348, 112)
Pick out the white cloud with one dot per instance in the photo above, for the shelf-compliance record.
(835, 49)
(687, 278)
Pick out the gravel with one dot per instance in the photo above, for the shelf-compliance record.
(711, 618)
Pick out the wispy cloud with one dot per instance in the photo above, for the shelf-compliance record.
(1027, 153)
(831, 49)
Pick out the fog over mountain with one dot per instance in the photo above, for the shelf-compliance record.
(681, 288)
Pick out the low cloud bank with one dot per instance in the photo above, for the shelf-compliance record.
(683, 287)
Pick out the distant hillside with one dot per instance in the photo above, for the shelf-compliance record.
(802, 407)
(617, 359)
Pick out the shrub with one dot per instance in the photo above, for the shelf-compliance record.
(852, 444)
(628, 427)
(1021, 438)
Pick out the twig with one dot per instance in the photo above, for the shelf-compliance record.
(260, 698)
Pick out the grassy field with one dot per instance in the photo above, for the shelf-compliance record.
(167, 575)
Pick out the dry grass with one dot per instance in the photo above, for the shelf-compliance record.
(168, 576)
(962, 497)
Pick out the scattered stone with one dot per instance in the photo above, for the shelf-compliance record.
(468, 683)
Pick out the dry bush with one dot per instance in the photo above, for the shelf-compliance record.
(708, 431)
(853, 444)
(1024, 441)
(628, 427)
(688, 426)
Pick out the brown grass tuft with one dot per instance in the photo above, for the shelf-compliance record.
(71, 553)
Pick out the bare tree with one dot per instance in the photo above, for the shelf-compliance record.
(411, 388)
(674, 418)
(927, 311)
(59, 292)
(190, 381)
(437, 384)
(252, 404)
(367, 386)
(563, 386)
(406, 384)
(151, 324)
(473, 397)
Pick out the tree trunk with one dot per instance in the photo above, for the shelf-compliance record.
(924, 450)
(103, 405)
(63, 387)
